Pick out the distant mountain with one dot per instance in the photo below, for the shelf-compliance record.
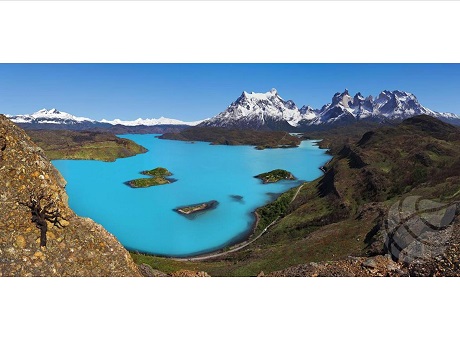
(257, 111)
(151, 122)
(54, 119)
(52, 116)
(268, 111)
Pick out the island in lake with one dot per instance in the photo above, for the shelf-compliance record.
(195, 208)
(158, 176)
(275, 176)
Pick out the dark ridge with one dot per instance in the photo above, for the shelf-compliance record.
(354, 160)
(366, 137)
(326, 184)
(223, 136)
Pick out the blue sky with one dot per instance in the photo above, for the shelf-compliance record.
(196, 91)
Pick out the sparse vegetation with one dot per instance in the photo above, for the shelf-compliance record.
(44, 210)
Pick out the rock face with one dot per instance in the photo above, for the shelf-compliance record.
(32, 196)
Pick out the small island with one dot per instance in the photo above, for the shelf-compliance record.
(275, 176)
(158, 177)
(195, 208)
(159, 172)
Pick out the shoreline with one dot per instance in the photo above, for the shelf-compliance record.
(249, 239)
(218, 252)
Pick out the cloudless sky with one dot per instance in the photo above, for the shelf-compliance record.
(196, 91)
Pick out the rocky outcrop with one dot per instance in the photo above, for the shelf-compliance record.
(378, 266)
(445, 264)
(188, 273)
(33, 203)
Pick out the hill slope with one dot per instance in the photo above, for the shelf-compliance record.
(224, 136)
(34, 210)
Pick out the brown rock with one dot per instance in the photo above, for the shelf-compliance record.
(20, 242)
(25, 173)
(148, 271)
(188, 273)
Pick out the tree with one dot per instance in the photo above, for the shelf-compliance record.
(43, 210)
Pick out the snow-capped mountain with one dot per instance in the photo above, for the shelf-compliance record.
(151, 122)
(52, 116)
(263, 111)
(259, 111)
(269, 111)
(55, 119)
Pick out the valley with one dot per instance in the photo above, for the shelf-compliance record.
(385, 151)
(342, 213)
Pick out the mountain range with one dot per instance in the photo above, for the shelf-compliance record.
(258, 111)
(54, 119)
(268, 111)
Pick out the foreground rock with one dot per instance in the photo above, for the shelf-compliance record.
(445, 264)
(379, 266)
(33, 198)
(188, 273)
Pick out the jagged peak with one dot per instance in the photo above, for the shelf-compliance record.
(306, 108)
(341, 98)
(359, 96)
(260, 95)
(46, 111)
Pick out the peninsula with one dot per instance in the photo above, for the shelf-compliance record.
(102, 146)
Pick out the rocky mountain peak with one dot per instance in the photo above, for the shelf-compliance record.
(342, 99)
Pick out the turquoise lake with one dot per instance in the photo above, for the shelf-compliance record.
(143, 218)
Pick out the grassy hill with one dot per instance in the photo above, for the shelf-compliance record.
(342, 213)
(221, 136)
(63, 144)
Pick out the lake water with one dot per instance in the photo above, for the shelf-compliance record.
(143, 218)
